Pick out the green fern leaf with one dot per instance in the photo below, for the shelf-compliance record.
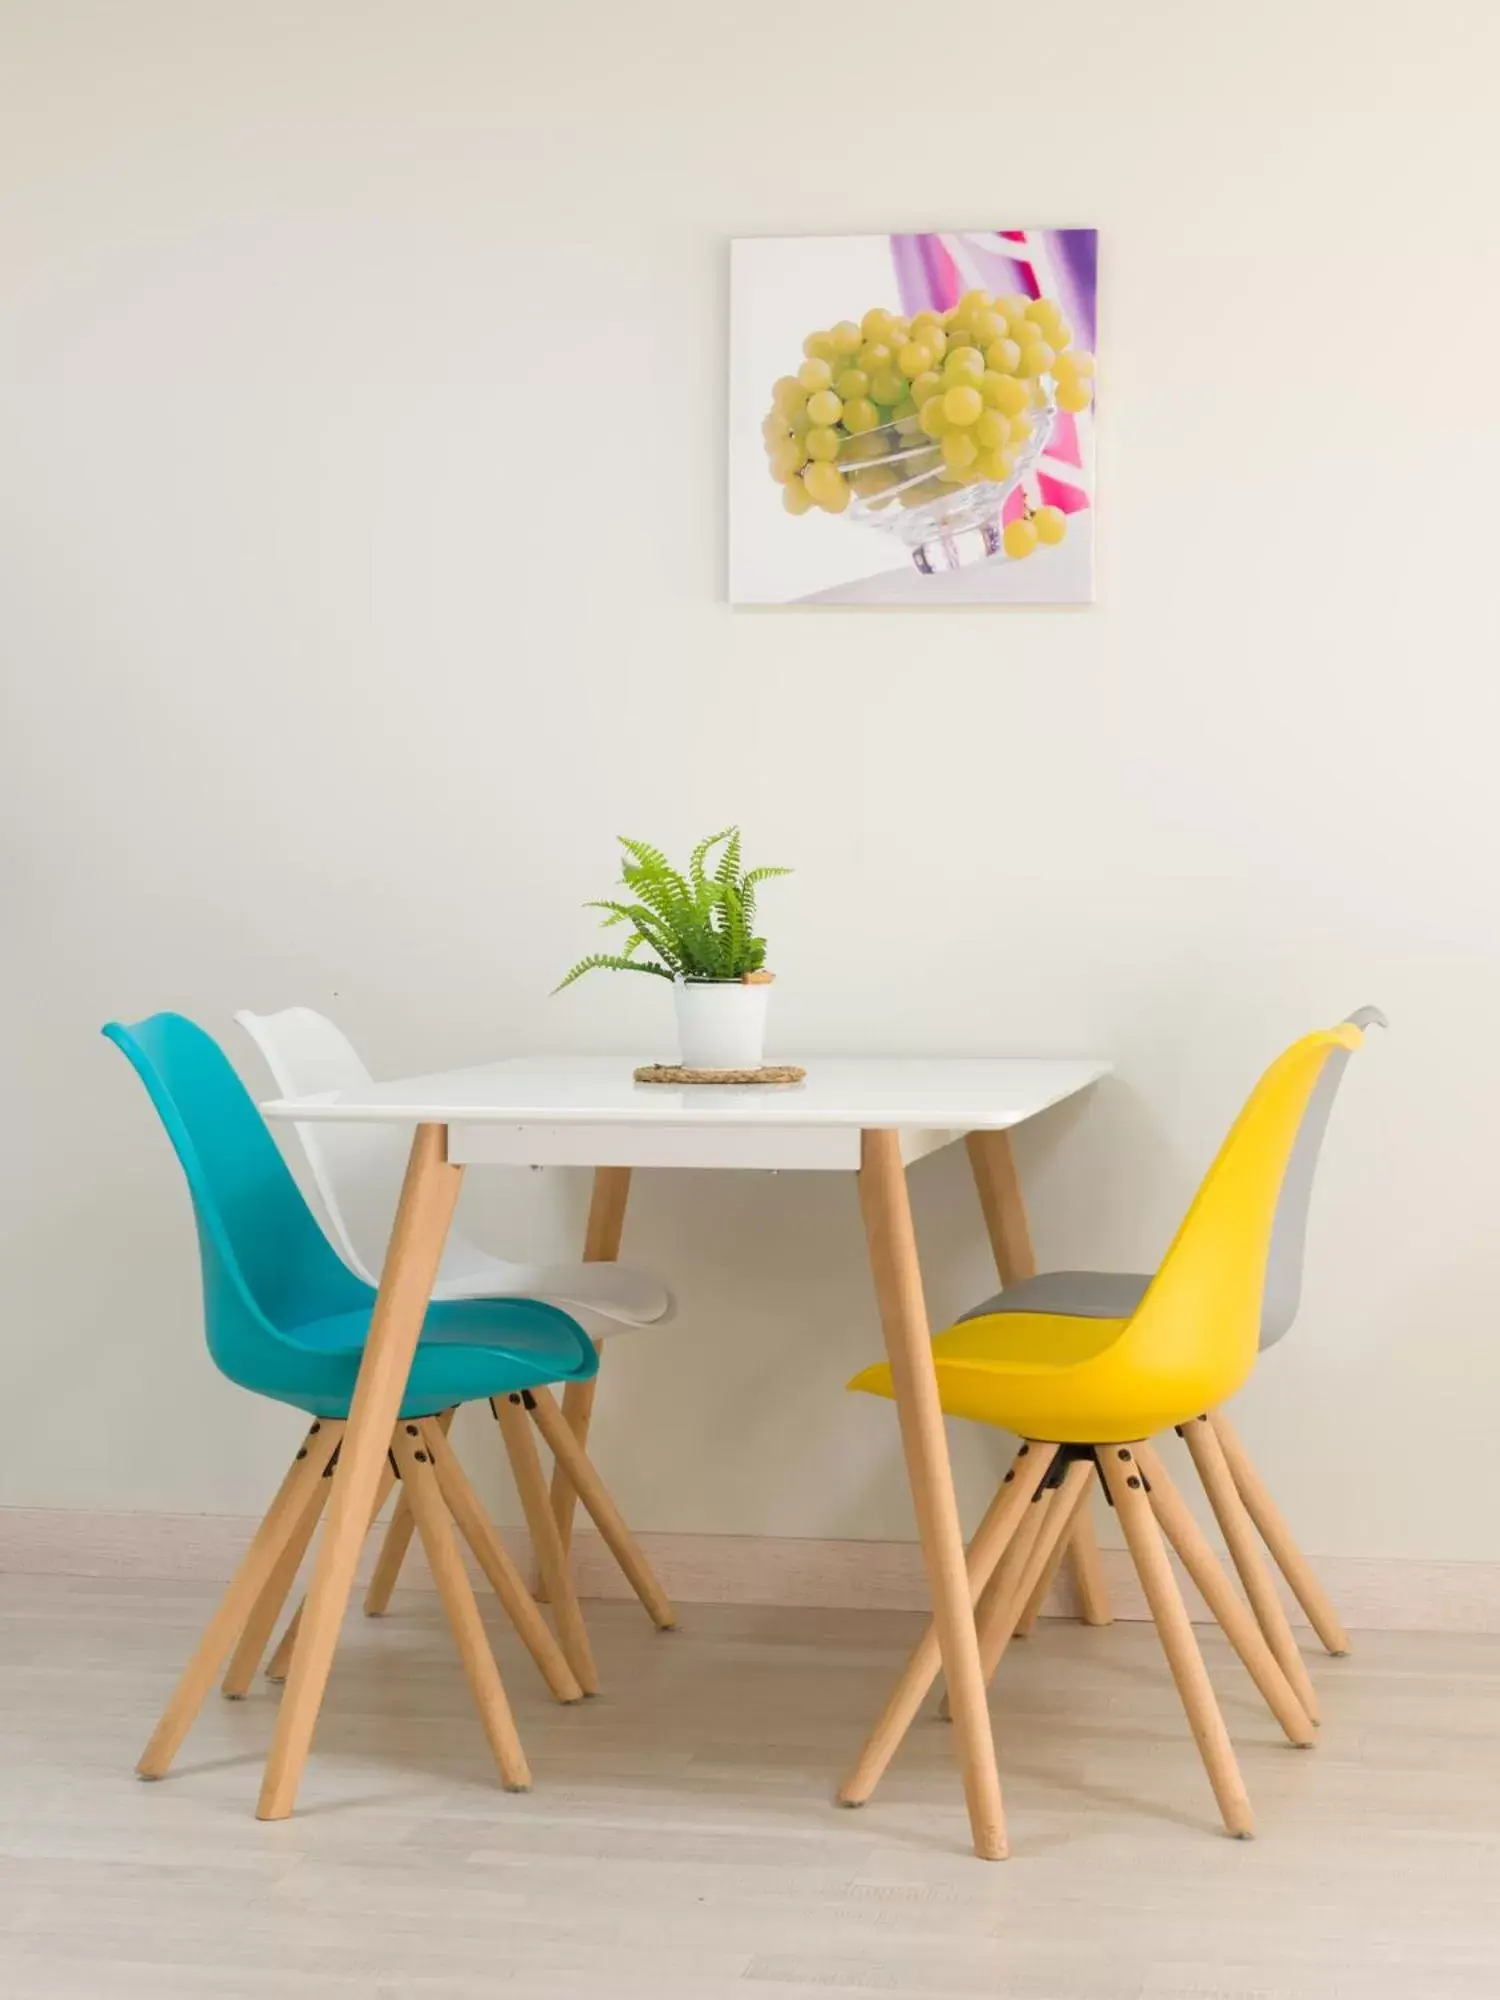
(698, 926)
(751, 882)
(727, 874)
(657, 934)
(735, 933)
(608, 962)
(697, 874)
(656, 864)
(667, 895)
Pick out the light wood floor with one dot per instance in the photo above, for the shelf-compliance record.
(681, 1844)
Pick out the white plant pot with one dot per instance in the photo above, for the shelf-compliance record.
(721, 1023)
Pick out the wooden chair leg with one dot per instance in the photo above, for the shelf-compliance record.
(235, 1606)
(393, 1548)
(436, 1531)
(1016, 1556)
(1240, 1628)
(1088, 1572)
(397, 1541)
(267, 1608)
(1003, 1580)
(546, 1543)
(1012, 1503)
(583, 1480)
(1277, 1537)
(1019, 1557)
(281, 1659)
(1064, 1548)
(1118, 1465)
(601, 1245)
(1045, 1552)
(507, 1582)
(1239, 1538)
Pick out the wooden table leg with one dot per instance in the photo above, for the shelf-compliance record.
(428, 1196)
(908, 1339)
(601, 1245)
(993, 1165)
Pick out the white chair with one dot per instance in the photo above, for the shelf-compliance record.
(357, 1170)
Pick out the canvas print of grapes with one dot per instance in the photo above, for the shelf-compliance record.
(911, 418)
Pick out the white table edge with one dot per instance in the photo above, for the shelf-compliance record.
(781, 1109)
(769, 1131)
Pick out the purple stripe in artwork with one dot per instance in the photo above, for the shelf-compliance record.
(925, 276)
(1075, 252)
(1002, 271)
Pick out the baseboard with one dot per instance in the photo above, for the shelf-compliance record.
(1371, 1594)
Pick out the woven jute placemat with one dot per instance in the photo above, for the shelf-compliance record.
(674, 1073)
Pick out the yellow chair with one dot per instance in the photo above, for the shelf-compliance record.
(1242, 1505)
(1086, 1391)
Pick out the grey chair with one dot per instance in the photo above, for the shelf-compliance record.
(1238, 1495)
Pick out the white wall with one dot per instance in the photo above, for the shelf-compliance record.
(338, 650)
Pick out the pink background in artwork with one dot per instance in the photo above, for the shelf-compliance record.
(1061, 262)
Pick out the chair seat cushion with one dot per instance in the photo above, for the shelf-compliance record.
(978, 1361)
(1021, 1361)
(622, 1296)
(469, 1350)
(1073, 1294)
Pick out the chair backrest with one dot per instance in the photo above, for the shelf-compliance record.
(267, 1266)
(1283, 1293)
(1200, 1320)
(357, 1168)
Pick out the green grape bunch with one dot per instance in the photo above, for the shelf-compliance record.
(899, 410)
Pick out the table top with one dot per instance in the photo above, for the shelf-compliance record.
(870, 1092)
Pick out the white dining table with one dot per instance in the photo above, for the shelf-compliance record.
(872, 1116)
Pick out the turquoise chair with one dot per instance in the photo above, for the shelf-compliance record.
(286, 1318)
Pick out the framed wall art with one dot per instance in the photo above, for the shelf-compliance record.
(911, 418)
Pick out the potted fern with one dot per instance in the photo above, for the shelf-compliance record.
(698, 930)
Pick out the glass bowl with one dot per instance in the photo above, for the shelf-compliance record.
(956, 525)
